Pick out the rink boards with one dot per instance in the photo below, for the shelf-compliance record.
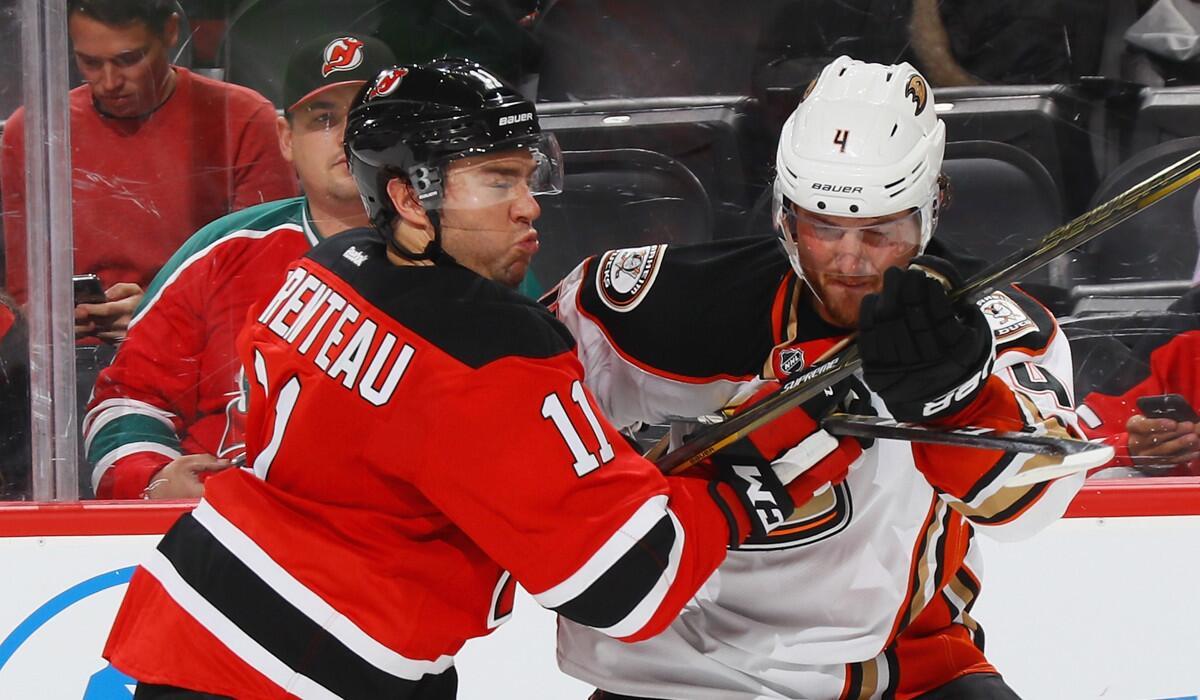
(1100, 605)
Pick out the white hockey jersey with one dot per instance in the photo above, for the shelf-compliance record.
(867, 591)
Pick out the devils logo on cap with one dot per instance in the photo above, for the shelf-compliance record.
(345, 53)
(387, 82)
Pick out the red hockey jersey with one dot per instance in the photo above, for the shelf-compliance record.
(415, 434)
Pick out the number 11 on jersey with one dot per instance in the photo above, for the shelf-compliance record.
(585, 462)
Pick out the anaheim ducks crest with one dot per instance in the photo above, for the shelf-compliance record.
(626, 275)
(918, 91)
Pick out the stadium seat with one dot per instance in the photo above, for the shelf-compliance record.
(1126, 297)
(1002, 199)
(1158, 243)
(1165, 114)
(709, 135)
(618, 198)
(1047, 121)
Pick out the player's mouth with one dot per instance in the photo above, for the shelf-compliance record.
(529, 242)
(852, 283)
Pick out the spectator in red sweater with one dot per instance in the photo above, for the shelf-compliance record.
(156, 153)
(1166, 362)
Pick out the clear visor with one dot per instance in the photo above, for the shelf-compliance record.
(503, 176)
(897, 233)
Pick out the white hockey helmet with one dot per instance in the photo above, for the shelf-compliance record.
(865, 141)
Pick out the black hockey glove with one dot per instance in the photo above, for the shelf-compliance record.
(778, 467)
(926, 357)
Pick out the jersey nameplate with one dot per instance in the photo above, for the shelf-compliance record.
(1006, 318)
(626, 275)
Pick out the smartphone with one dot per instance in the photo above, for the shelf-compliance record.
(88, 290)
(1172, 406)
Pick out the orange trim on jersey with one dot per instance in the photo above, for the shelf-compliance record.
(656, 371)
(806, 526)
(917, 558)
(848, 672)
(780, 309)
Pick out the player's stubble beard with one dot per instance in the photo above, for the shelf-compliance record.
(839, 305)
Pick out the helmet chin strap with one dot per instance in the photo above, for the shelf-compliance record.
(433, 251)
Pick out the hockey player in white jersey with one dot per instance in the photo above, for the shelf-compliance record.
(867, 592)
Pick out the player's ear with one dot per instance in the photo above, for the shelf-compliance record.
(283, 129)
(170, 33)
(406, 204)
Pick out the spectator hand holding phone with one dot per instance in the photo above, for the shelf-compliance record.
(108, 316)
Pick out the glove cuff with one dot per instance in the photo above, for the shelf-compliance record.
(759, 493)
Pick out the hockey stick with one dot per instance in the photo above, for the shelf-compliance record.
(1072, 234)
(1073, 455)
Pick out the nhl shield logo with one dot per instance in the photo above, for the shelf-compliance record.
(345, 53)
(387, 82)
(791, 360)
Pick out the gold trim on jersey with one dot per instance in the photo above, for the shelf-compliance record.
(1010, 501)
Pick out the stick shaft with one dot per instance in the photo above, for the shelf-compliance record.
(961, 436)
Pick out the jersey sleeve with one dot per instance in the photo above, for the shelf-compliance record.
(654, 328)
(1030, 389)
(261, 174)
(143, 401)
(550, 491)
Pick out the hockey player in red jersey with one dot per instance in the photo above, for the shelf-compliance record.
(866, 592)
(421, 439)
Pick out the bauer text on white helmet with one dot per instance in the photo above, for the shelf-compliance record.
(864, 142)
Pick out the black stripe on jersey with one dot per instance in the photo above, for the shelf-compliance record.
(893, 667)
(970, 584)
(472, 319)
(978, 637)
(303, 645)
(950, 604)
(854, 687)
(620, 589)
(700, 292)
(989, 477)
(1035, 491)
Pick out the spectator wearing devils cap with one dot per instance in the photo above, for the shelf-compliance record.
(167, 410)
(156, 153)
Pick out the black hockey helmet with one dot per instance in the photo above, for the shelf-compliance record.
(411, 121)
